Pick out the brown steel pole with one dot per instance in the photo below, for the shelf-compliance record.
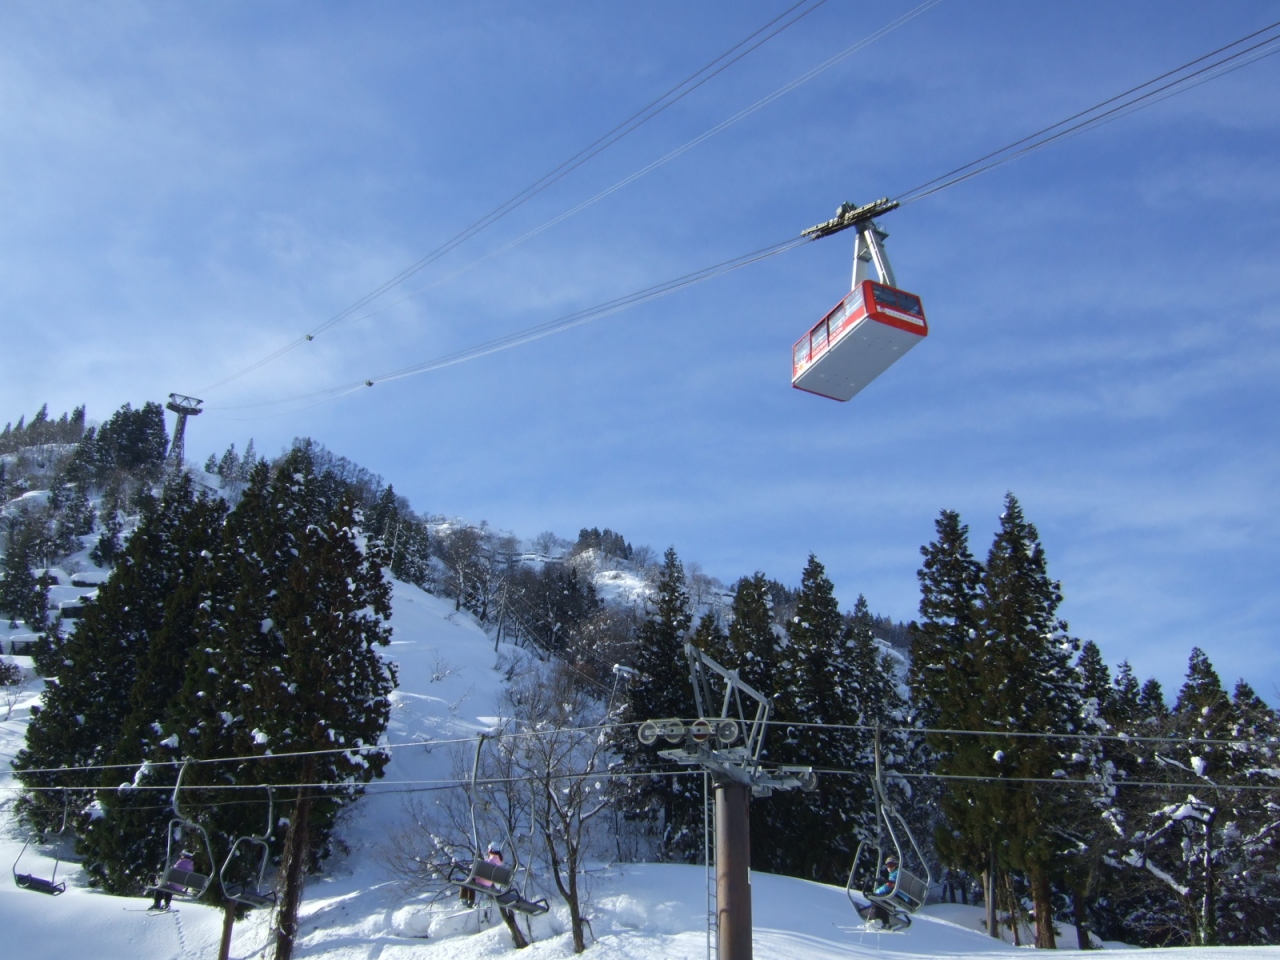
(733, 871)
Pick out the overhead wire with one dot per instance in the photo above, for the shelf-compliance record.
(638, 119)
(1096, 115)
(1267, 742)
(538, 332)
(1134, 98)
(685, 147)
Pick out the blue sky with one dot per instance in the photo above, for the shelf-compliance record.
(188, 187)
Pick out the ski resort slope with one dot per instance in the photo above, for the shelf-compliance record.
(450, 688)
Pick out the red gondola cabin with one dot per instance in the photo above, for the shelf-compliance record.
(857, 341)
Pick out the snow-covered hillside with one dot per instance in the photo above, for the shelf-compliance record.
(449, 688)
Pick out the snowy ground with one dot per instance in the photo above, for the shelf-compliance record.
(449, 688)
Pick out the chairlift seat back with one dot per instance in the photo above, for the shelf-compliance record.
(498, 874)
(910, 889)
(182, 882)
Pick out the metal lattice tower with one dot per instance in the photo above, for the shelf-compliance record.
(184, 407)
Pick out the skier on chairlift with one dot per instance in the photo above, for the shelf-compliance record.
(163, 895)
(878, 911)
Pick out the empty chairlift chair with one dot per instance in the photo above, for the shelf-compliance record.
(248, 859)
(29, 881)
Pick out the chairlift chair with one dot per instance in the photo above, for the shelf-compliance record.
(497, 880)
(910, 889)
(180, 883)
(494, 880)
(29, 881)
(252, 891)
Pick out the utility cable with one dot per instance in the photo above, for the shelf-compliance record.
(668, 99)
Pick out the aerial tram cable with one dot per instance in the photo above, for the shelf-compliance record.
(723, 125)
(738, 51)
(848, 216)
(1095, 115)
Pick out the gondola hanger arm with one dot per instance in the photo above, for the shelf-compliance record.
(850, 216)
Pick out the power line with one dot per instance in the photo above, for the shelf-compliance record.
(655, 107)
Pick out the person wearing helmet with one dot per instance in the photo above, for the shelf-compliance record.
(876, 910)
(890, 881)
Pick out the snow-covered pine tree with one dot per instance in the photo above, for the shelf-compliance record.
(672, 806)
(1207, 841)
(753, 638)
(83, 714)
(22, 595)
(812, 835)
(1028, 685)
(946, 694)
(301, 643)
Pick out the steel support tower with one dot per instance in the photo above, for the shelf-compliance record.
(184, 407)
(736, 774)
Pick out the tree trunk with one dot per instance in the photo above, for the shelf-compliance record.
(989, 895)
(228, 925)
(1011, 905)
(1042, 897)
(1081, 919)
(1208, 911)
(517, 935)
(296, 845)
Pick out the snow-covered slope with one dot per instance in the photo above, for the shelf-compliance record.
(449, 688)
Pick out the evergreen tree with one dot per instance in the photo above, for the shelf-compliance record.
(673, 805)
(1028, 686)
(753, 641)
(944, 679)
(80, 721)
(1095, 678)
(1124, 703)
(22, 597)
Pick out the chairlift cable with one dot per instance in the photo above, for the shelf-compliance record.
(1270, 742)
(668, 99)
